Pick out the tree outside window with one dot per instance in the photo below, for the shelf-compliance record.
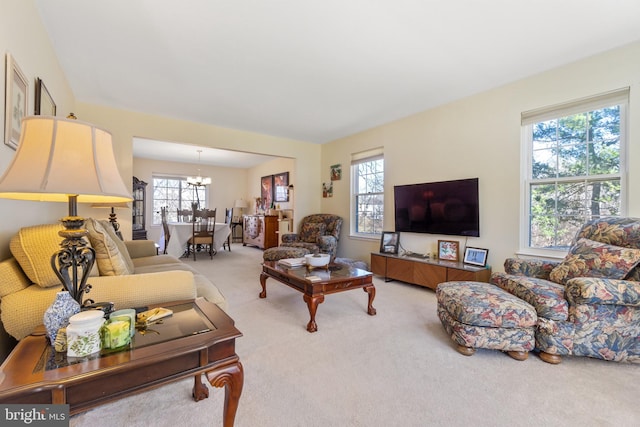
(175, 193)
(575, 173)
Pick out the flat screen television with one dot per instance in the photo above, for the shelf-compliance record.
(446, 207)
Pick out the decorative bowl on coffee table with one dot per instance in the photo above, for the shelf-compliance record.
(317, 260)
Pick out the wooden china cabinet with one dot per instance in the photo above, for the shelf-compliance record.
(139, 231)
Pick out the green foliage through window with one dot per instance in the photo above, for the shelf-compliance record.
(575, 174)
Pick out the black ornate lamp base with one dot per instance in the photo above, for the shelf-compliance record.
(73, 263)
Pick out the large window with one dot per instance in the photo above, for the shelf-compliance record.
(575, 167)
(175, 193)
(367, 172)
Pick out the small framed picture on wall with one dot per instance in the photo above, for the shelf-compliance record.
(45, 105)
(15, 107)
(266, 191)
(281, 187)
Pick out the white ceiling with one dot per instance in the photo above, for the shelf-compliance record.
(317, 70)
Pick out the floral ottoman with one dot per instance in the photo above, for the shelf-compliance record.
(481, 315)
(283, 252)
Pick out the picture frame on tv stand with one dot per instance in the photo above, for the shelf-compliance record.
(475, 256)
(389, 242)
(448, 250)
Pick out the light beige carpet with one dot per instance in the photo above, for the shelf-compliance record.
(397, 368)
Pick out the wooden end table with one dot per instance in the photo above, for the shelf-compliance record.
(335, 278)
(199, 338)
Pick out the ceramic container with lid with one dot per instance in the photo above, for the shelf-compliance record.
(83, 333)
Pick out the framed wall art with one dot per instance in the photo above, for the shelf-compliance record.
(389, 242)
(336, 172)
(44, 102)
(15, 102)
(475, 256)
(448, 250)
(281, 187)
(327, 189)
(266, 191)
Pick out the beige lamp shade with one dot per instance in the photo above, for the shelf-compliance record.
(60, 157)
(241, 203)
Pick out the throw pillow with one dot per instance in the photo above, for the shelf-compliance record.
(33, 248)
(111, 262)
(588, 258)
(122, 248)
(311, 231)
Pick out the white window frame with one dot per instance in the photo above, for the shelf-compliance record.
(529, 118)
(172, 214)
(357, 159)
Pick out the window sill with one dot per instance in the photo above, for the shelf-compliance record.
(365, 237)
(552, 254)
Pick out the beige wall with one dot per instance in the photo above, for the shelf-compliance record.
(479, 136)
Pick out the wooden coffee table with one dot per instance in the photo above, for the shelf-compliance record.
(335, 278)
(199, 338)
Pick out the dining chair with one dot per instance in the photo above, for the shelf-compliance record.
(165, 227)
(203, 230)
(228, 216)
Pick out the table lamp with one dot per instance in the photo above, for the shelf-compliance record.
(113, 218)
(64, 160)
(239, 204)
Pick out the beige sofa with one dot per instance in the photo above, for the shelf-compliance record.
(129, 274)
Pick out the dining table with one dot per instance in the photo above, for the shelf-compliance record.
(181, 232)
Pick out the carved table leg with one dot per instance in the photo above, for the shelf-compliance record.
(371, 290)
(200, 391)
(232, 379)
(312, 303)
(263, 282)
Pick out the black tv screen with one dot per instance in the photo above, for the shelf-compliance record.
(446, 207)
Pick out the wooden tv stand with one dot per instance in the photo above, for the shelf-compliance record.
(425, 272)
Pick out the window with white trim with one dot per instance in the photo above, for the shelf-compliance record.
(367, 194)
(175, 193)
(575, 167)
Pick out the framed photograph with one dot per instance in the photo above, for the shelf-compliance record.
(327, 189)
(44, 102)
(281, 187)
(389, 242)
(336, 172)
(475, 256)
(15, 102)
(266, 191)
(448, 250)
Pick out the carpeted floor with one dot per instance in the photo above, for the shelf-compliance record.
(397, 368)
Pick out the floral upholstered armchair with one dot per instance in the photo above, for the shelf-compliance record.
(319, 233)
(588, 304)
